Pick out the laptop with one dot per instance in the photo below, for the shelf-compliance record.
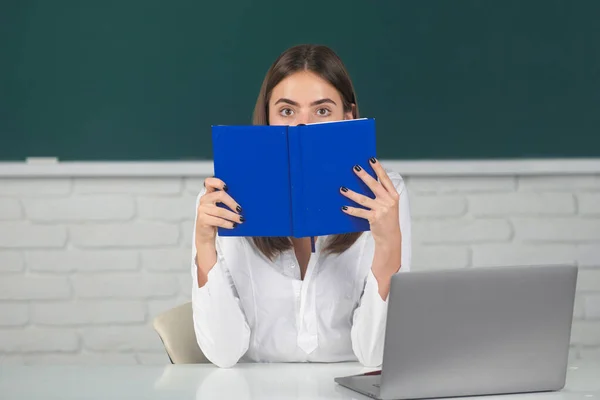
(494, 330)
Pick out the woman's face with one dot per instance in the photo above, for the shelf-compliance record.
(305, 98)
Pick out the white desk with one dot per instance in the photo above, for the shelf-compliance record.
(205, 382)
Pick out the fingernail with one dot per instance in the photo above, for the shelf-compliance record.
(344, 208)
(357, 168)
(225, 188)
(235, 224)
(239, 209)
(242, 219)
(344, 189)
(373, 160)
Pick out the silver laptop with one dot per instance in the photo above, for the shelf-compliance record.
(466, 332)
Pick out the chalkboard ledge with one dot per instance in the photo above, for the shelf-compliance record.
(576, 166)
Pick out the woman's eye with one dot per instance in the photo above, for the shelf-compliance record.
(323, 112)
(286, 112)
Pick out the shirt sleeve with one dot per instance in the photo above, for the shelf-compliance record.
(220, 325)
(369, 319)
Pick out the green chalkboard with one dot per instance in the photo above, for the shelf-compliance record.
(145, 79)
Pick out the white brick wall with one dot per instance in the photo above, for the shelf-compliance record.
(11, 261)
(25, 234)
(10, 209)
(86, 263)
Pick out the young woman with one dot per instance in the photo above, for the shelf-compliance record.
(273, 299)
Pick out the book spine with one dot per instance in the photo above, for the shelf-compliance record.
(296, 180)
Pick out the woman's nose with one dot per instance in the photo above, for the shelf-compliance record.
(303, 118)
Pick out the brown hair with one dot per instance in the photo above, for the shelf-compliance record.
(322, 61)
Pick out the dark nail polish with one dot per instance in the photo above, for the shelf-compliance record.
(239, 209)
(242, 219)
(373, 160)
(344, 189)
(357, 168)
(344, 208)
(225, 188)
(235, 224)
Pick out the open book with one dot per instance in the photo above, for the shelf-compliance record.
(287, 178)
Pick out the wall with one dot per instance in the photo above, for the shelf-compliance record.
(87, 262)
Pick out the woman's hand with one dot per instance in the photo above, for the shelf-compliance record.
(382, 212)
(210, 216)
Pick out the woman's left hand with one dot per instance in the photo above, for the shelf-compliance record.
(382, 212)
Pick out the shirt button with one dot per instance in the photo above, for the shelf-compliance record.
(292, 266)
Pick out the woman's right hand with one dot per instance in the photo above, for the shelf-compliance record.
(210, 215)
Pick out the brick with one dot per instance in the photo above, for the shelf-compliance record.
(461, 184)
(125, 286)
(586, 333)
(588, 280)
(166, 260)
(10, 209)
(12, 359)
(556, 229)
(592, 306)
(427, 206)
(573, 353)
(13, 314)
(34, 186)
(122, 338)
(588, 255)
(34, 288)
(155, 358)
(128, 185)
(25, 234)
(174, 209)
(439, 257)
(461, 231)
(589, 203)
(589, 353)
(38, 340)
(86, 312)
(485, 255)
(138, 234)
(157, 307)
(80, 208)
(579, 307)
(522, 204)
(194, 185)
(187, 232)
(185, 285)
(11, 261)
(73, 260)
(91, 359)
(563, 183)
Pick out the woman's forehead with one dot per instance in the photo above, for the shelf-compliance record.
(304, 87)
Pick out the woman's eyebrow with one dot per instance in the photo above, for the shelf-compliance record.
(323, 101)
(288, 101)
(314, 103)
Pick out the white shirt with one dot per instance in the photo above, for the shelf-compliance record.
(254, 309)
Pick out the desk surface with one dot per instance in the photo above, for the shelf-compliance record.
(245, 381)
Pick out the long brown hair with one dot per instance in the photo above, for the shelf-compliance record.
(322, 61)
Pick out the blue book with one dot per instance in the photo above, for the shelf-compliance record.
(287, 178)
